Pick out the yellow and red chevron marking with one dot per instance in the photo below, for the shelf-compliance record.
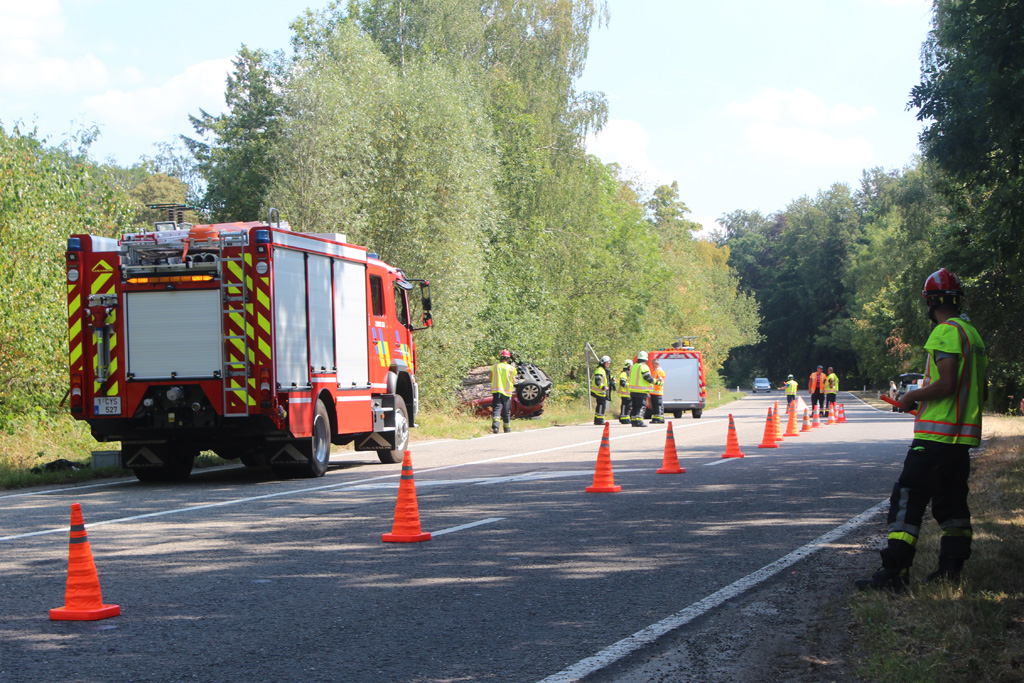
(75, 337)
(258, 327)
(237, 397)
(105, 279)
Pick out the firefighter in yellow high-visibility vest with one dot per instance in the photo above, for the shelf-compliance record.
(948, 425)
(623, 387)
(640, 383)
(600, 389)
(657, 393)
(503, 378)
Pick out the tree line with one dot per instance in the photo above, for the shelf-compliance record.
(447, 136)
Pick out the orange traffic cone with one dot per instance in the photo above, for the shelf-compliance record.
(807, 423)
(842, 414)
(768, 441)
(604, 480)
(815, 422)
(83, 600)
(831, 415)
(791, 425)
(670, 463)
(732, 443)
(777, 424)
(406, 528)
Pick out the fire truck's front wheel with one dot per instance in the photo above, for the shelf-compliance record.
(401, 434)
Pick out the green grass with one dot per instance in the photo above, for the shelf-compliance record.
(974, 631)
(37, 438)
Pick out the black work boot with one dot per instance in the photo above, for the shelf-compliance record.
(886, 578)
(949, 569)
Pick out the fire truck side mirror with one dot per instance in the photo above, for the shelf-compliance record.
(425, 296)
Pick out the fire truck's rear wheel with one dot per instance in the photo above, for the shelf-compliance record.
(320, 442)
(401, 434)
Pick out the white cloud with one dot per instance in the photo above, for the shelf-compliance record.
(625, 143)
(159, 112)
(797, 106)
(807, 146)
(28, 32)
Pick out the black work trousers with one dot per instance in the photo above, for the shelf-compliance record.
(638, 405)
(501, 409)
(600, 404)
(624, 409)
(936, 473)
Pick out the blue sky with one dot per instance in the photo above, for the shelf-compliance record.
(747, 104)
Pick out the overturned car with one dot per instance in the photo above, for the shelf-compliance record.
(532, 387)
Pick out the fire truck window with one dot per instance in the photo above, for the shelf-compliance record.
(377, 294)
(401, 309)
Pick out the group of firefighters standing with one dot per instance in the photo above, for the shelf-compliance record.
(636, 383)
(822, 387)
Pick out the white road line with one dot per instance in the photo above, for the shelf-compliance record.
(68, 488)
(648, 635)
(326, 487)
(466, 526)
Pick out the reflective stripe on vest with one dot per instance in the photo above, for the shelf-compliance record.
(637, 383)
(659, 382)
(957, 418)
(817, 383)
(599, 389)
(502, 375)
(624, 384)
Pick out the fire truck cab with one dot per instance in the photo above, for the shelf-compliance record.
(247, 339)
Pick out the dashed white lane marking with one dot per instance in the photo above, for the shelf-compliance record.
(648, 635)
(326, 487)
(453, 529)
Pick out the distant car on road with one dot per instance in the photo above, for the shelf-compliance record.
(908, 381)
(762, 384)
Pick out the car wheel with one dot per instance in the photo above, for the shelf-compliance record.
(697, 412)
(678, 414)
(529, 393)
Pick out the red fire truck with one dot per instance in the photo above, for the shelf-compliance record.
(247, 339)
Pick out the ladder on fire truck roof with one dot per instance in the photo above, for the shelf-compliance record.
(234, 295)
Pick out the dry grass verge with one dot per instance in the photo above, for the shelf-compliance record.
(975, 631)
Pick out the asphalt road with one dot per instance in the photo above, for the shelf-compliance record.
(235, 576)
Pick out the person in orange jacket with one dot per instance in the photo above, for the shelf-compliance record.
(816, 386)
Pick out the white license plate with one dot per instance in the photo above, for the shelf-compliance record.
(106, 405)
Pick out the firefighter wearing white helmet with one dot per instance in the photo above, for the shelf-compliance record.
(600, 389)
(623, 387)
(948, 425)
(640, 384)
(791, 387)
(503, 379)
